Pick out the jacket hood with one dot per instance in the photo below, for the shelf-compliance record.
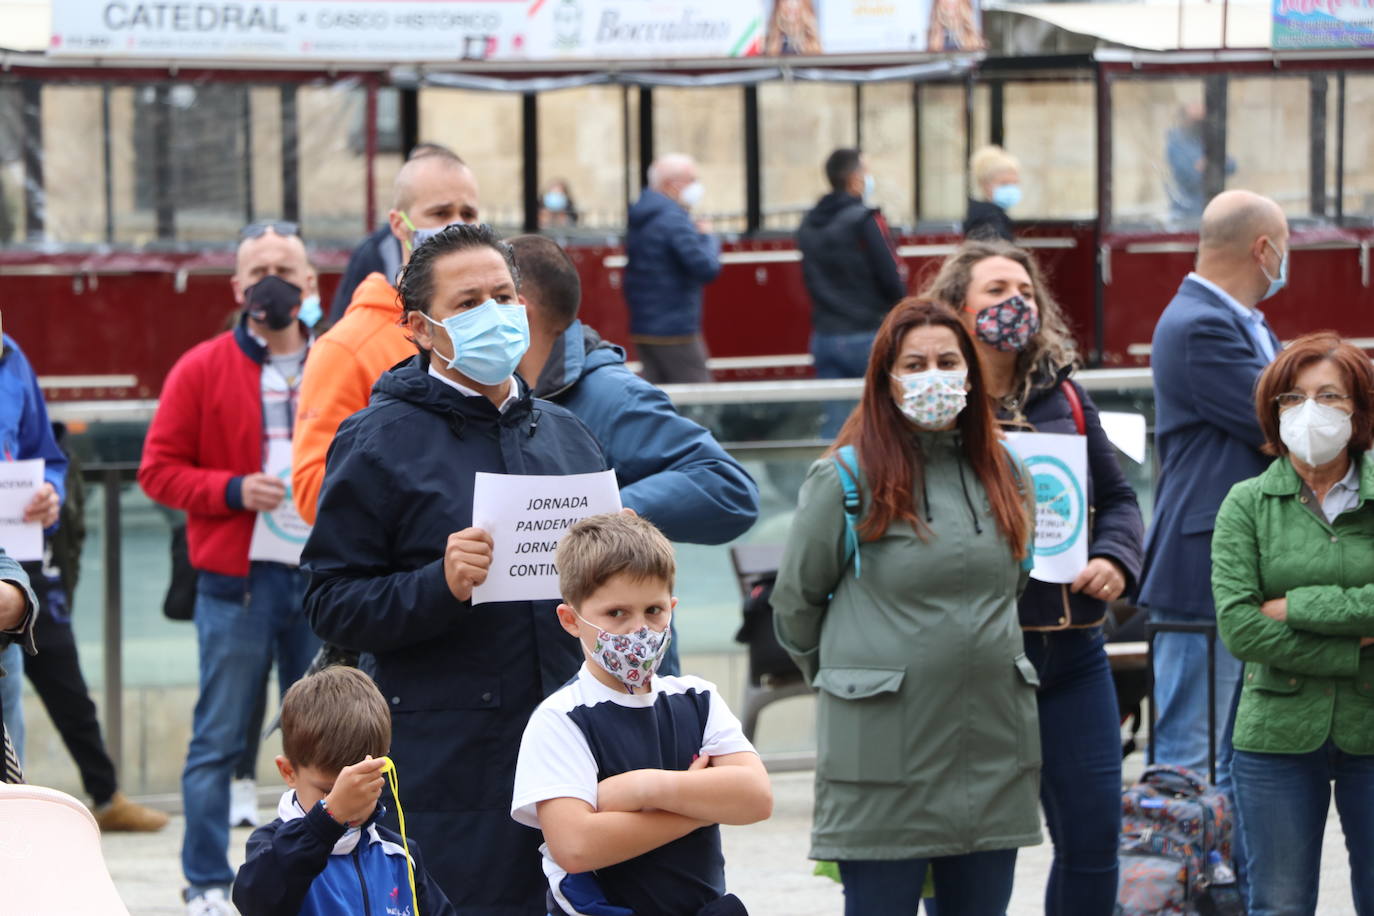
(578, 351)
(376, 292)
(651, 204)
(410, 381)
(828, 206)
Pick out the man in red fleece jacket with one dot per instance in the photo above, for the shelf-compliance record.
(219, 449)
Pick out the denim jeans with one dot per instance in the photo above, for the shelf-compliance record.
(12, 695)
(1180, 731)
(1080, 785)
(1283, 800)
(240, 625)
(976, 884)
(839, 356)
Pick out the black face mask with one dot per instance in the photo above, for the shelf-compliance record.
(271, 301)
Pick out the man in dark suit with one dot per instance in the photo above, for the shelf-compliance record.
(1210, 346)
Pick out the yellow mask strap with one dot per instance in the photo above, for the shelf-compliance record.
(389, 768)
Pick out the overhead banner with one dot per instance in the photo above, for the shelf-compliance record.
(1323, 23)
(507, 30)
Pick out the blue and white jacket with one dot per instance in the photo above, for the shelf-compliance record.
(24, 428)
(308, 864)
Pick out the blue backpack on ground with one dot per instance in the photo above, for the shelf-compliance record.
(1176, 848)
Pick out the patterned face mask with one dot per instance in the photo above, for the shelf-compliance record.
(1008, 326)
(631, 658)
(934, 398)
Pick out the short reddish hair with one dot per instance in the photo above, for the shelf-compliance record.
(1283, 372)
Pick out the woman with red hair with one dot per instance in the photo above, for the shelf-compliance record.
(929, 750)
(1293, 578)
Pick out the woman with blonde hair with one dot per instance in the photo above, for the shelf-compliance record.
(899, 604)
(996, 177)
(1028, 358)
(792, 29)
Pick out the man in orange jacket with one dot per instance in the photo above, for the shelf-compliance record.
(432, 191)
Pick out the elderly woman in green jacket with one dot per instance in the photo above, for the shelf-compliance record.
(1293, 578)
(928, 744)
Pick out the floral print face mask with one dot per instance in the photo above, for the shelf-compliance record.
(1007, 326)
(934, 398)
(631, 658)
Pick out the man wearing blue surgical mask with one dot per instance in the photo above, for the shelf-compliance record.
(432, 191)
(1210, 346)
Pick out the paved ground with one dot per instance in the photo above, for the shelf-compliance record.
(766, 863)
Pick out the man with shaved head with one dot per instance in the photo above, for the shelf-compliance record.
(1210, 346)
(434, 189)
(216, 450)
(669, 258)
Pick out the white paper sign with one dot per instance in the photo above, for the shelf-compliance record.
(279, 535)
(526, 516)
(1127, 432)
(19, 480)
(1058, 465)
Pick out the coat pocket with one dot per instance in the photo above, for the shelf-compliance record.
(860, 724)
(1267, 679)
(1028, 748)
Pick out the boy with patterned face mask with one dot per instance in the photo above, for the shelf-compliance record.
(626, 772)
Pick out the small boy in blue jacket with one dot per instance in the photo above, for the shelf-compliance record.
(325, 854)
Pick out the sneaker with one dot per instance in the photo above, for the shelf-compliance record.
(119, 814)
(243, 803)
(211, 903)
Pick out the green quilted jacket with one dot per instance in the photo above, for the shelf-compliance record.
(1306, 679)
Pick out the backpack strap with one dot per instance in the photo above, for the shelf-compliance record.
(1075, 406)
(846, 462)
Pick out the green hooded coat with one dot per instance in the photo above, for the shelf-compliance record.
(926, 727)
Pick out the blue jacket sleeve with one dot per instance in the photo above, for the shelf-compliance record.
(698, 254)
(35, 431)
(1118, 530)
(356, 599)
(879, 251)
(284, 859)
(670, 470)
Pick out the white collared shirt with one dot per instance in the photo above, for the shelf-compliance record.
(512, 396)
(1254, 317)
(1344, 494)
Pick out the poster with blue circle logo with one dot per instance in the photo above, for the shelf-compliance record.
(1058, 468)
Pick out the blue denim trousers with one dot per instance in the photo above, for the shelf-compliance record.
(241, 625)
(1080, 784)
(1180, 731)
(12, 695)
(976, 884)
(1283, 801)
(839, 356)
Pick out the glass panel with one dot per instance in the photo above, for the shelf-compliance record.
(1359, 148)
(1051, 129)
(800, 125)
(484, 128)
(1268, 149)
(708, 124)
(73, 169)
(11, 165)
(582, 150)
(333, 173)
(943, 148)
(888, 114)
(1156, 154)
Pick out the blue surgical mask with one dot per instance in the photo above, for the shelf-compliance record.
(488, 340)
(310, 311)
(555, 201)
(1006, 196)
(869, 185)
(1279, 282)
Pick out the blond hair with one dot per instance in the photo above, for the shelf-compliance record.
(989, 162)
(333, 719)
(601, 547)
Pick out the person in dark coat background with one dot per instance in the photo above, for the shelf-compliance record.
(996, 176)
(669, 258)
(1028, 360)
(851, 273)
(393, 561)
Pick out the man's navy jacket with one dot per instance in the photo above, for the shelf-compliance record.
(667, 263)
(1205, 363)
(461, 680)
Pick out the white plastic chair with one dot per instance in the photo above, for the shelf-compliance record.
(51, 863)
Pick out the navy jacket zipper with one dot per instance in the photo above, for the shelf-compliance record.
(362, 882)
